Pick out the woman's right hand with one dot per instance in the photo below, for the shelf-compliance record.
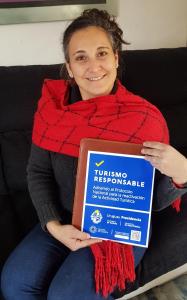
(70, 236)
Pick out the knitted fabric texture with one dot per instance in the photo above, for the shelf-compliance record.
(121, 116)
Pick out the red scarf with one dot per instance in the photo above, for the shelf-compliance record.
(122, 116)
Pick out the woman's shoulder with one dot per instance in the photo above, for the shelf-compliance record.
(149, 116)
(53, 90)
(137, 101)
(55, 84)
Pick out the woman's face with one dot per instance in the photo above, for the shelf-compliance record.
(92, 62)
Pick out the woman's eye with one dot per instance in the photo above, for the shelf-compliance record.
(102, 53)
(81, 58)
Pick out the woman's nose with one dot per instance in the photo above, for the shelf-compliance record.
(94, 65)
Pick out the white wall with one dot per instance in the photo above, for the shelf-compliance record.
(146, 24)
(154, 23)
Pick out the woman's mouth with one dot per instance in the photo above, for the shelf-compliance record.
(95, 78)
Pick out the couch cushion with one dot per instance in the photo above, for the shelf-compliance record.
(3, 189)
(21, 203)
(15, 149)
(9, 228)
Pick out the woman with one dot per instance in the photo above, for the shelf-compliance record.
(92, 103)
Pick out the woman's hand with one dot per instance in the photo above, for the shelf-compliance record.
(167, 160)
(70, 236)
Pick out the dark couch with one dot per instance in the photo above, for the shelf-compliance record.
(158, 75)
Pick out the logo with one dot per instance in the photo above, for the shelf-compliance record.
(93, 229)
(96, 217)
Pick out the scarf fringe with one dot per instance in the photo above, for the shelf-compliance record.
(177, 204)
(114, 265)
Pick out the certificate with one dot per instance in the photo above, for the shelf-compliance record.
(117, 190)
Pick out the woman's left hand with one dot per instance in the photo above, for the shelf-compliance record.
(167, 160)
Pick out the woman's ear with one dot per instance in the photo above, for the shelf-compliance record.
(117, 59)
(69, 70)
